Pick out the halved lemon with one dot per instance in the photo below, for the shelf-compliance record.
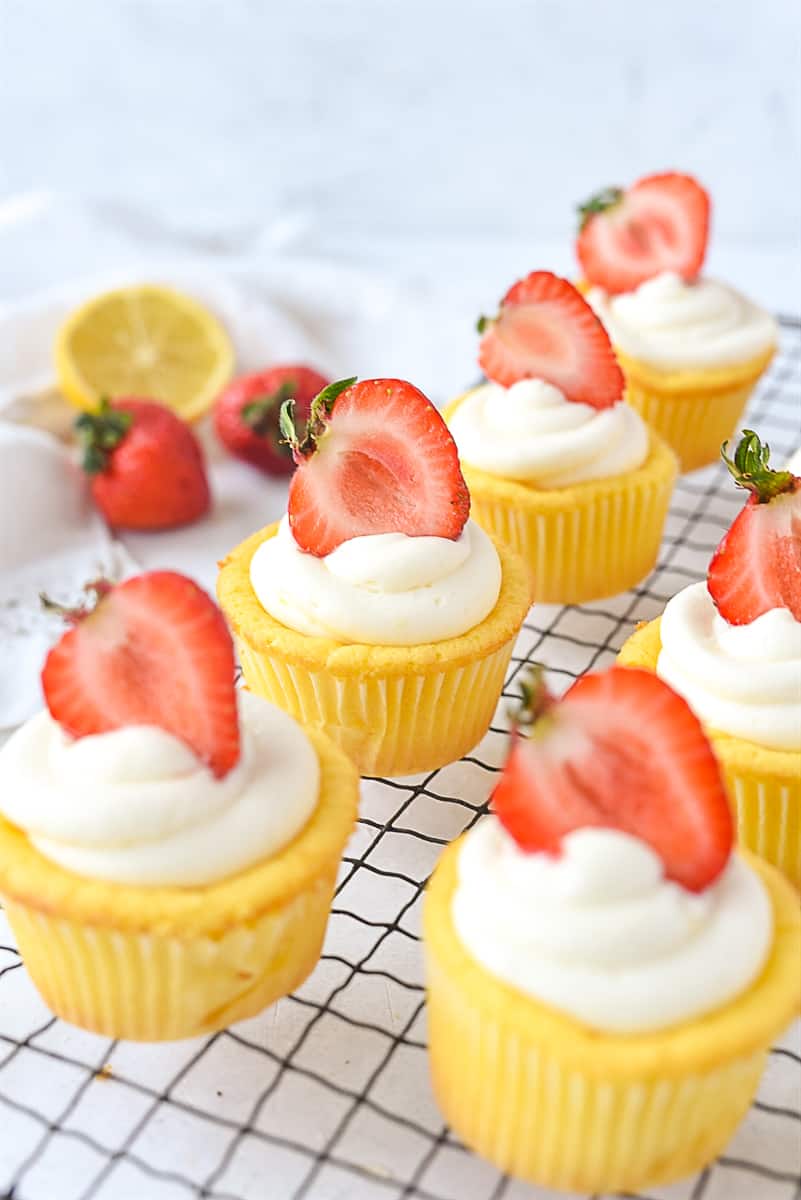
(147, 341)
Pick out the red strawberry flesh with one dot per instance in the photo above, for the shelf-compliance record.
(546, 330)
(154, 651)
(661, 223)
(757, 566)
(621, 750)
(385, 462)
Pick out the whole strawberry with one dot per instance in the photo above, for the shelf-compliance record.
(145, 464)
(247, 413)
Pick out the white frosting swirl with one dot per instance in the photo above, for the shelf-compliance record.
(532, 433)
(136, 806)
(600, 934)
(382, 589)
(744, 680)
(670, 323)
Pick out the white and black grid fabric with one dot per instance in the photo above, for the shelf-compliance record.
(325, 1096)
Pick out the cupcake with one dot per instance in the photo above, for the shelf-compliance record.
(375, 610)
(692, 349)
(605, 975)
(732, 647)
(559, 466)
(168, 846)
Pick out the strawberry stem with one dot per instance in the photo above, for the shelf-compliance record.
(74, 616)
(601, 202)
(535, 701)
(321, 408)
(750, 468)
(258, 413)
(99, 433)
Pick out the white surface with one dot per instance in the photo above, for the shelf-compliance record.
(421, 118)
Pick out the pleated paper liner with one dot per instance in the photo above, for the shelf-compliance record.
(695, 411)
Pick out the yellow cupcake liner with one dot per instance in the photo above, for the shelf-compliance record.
(558, 1104)
(395, 710)
(695, 411)
(763, 785)
(584, 542)
(156, 964)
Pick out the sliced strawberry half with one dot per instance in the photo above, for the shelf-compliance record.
(376, 458)
(660, 223)
(546, 330)
(154, 650)
(621, 750)
(757, 566)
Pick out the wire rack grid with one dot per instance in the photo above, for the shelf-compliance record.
(325, 1096)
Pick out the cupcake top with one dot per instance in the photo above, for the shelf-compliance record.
(732, 645)
(604, 883)
(376, 546)
(552, 413)
(642, 249)
(148, 767)
(669, 322)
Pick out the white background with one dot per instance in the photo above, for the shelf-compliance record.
(405, 128)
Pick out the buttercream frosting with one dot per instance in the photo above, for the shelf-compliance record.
(601, 935)
(135, 805)
(380, 589)
(532, 433)
(671, 323)
(744, 680)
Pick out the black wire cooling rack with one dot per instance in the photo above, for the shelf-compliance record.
(325, 1096)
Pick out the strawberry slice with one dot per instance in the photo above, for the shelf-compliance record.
(376, 458)
(757, 566)
(660, 223)
(154, 650)
(620, 750)
(546, 330)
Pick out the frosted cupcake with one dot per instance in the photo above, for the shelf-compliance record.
(558, 465)
(732, 647)
(376, 611)
(691, 348)
(168, 846)
(604, 974)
